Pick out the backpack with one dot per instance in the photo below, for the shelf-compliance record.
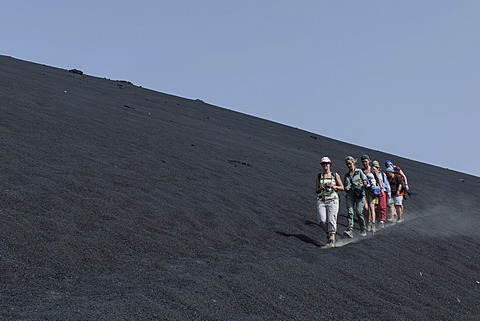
(403, 190)
(331, 193)
(334, 176)
(401, 179)
(358, 190)
(375, 190)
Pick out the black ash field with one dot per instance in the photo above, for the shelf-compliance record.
(119, 202)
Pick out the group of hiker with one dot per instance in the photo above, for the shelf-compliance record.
(370, 194)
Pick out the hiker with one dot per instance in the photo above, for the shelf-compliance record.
(372, 192)
(388, 163)
(327, 185)
(396, 198)
(381, 208)
(354, 181)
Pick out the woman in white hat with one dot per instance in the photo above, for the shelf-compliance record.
(327, 186)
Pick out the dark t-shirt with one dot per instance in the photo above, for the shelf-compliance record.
(395, 182)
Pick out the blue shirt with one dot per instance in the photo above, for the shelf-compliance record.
(385, 183)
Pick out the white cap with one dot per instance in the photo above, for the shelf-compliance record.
(325, 160)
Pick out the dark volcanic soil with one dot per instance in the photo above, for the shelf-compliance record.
(119, 202)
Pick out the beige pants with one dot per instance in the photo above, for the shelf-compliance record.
(327, 212)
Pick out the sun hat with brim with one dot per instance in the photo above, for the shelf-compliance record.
(388, 162)
(325, 160)
(376, 164)
(390, 170)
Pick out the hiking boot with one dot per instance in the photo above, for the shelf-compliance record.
(381, 224)
(363, 233)
(329, 245)
(393, 218)
(331, 237)
(373, 228)
(348, 233)
(331, 241)
(369, 226)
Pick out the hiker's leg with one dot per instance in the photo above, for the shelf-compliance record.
(359, 206)
(399, 206)
(366, 209)
(391, 208)
(332, 213)
(373, 203)
(381, 207)
(322, 215)
(350, 197)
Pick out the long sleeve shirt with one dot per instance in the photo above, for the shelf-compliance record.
(385, 183)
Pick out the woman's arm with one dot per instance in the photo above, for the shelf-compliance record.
(404, 179)
(339, 183)
(317, 186)
(377, 178)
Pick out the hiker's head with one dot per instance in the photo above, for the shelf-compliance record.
(390, 171)
(388, 163)
(365, 160)
(376, 164)
(325, 162)
(350, 162)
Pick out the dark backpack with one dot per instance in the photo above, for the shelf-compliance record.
(358, 190)
(401, 179)
(403, 190)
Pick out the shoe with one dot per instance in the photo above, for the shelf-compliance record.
(373, 228)
(369, 227)
(363, 233)
(381, 224)
(330, 243)
(348, 233)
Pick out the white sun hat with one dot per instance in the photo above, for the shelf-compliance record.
(325, 160)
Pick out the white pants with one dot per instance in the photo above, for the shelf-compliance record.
(327, 212)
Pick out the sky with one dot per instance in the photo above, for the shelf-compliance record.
(402, 77)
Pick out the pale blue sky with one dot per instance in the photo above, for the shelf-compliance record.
(397, 76)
